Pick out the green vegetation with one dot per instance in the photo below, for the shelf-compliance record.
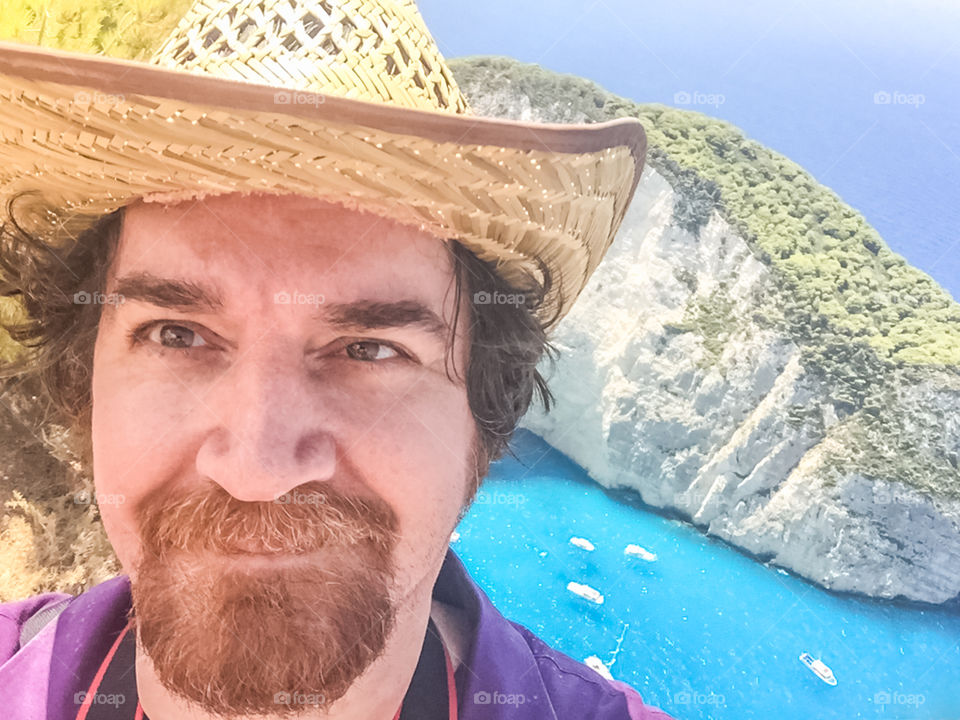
(910, 444)
(714, 320)
(130, 29)
(832, 265)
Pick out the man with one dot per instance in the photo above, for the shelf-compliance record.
(269, 328)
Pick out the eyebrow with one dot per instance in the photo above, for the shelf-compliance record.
(189, 296)
(181, 295)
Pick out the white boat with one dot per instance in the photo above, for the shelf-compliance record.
(818, 668)
(582, 543)
(454, 536)
(586, 592)
(595, 663)
(642, 553)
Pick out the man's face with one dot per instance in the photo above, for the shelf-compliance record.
(281, 452)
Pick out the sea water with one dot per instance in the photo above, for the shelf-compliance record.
(707, 632)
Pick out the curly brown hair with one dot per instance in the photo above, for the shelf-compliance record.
(49, 258)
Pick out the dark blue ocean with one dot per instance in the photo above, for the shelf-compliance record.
(704, 631)
(864, 94)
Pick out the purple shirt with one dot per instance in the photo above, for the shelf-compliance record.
(506, 661)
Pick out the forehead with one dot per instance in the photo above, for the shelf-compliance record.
(249, 246)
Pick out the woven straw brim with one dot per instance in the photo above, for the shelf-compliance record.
(93, 134)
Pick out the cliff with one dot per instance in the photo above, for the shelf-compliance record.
(751, 356)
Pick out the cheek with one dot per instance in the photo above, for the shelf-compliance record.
(136, 429)
(135, 438)
(417, 457)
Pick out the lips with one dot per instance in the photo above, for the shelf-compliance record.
(256, 547)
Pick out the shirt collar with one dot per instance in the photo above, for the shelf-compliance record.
(500, 673)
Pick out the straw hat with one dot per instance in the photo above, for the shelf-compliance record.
(345, 100)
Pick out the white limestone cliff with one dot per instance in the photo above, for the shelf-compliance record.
(701, 424)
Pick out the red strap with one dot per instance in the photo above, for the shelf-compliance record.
(451, 683)
(451, 687)
(98, 678)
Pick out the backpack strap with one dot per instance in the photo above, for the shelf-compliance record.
(36, 622)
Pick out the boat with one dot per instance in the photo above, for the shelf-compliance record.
(642, 553)
(454, 536)
(586, 592)
(818, 668)
(582, 543)
(595, 663)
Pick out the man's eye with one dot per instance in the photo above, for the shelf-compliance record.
(170, 335)
(371, 350)
(175, 336)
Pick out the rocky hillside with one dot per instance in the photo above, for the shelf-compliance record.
(752, 356)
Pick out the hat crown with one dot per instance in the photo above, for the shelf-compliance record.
(378, 50)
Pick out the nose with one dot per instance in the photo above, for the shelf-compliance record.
(269, 434)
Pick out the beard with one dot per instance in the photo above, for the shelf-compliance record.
(263, 608)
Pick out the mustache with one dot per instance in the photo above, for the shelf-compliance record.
(308, 518)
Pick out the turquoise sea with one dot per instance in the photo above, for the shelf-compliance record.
(707, 632)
